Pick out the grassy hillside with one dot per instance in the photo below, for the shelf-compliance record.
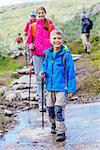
(13, 20)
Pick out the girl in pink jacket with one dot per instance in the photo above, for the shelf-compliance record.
(38, 42)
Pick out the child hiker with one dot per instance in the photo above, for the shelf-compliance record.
(19, 42)
(38, 42)
(58, 70)
(26, 30)
(32, 20)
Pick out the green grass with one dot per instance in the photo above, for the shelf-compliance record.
(7, 66)
(91, 85)
(95, 59)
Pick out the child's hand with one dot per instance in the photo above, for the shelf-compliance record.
(42, 75)
(70, 95)
(31, 46)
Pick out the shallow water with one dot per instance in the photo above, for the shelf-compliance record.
(83, 130)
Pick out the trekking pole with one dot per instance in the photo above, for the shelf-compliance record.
(26, 57)
(30, 73)
(30, 76)
(42, 103)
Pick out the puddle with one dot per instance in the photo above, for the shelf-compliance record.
(26, 127)
(83, 128)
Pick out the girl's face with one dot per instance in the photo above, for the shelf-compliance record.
(41, 14)
(56, 41)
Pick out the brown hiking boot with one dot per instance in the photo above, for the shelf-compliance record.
(53, 127)
(60, 137)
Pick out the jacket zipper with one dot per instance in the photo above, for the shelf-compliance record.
(52, 72)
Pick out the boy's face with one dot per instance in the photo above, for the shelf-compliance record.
(56, 40)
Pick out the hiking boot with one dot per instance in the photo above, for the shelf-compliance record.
(53, 127)
(60, 137)
(86, 50)
(42, 110)
(88, 53)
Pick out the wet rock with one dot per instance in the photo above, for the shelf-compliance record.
(8, 113)
(2, 82)
(1, 133)
(76, 56)
(3, 89)
(2, 107)
(15, 75)
(25, 95)
(26, 70)
(25, 79)
(20, 86)
(11, 96)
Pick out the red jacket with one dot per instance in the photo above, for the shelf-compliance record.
(26, 29)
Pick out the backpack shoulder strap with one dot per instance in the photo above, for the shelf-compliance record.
(50, 24)
(33, 29)
(64, 59)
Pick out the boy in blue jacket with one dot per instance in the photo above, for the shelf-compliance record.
(58, 70)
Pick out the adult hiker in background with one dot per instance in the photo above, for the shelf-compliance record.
(87, 25)
(58, 70)
(32, 20)
(38, 42)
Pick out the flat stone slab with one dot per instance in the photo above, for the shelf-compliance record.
(83, 130)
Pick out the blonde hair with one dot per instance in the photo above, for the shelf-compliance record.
(56, 32)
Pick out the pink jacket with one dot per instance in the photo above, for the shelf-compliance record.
(41, 37)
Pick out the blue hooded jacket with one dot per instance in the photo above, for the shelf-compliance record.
(59, 71)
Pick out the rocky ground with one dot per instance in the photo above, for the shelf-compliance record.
(16, 97)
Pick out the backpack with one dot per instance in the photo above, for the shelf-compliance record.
(18, 39)
(89, 24)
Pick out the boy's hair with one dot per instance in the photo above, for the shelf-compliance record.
(57, 32)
